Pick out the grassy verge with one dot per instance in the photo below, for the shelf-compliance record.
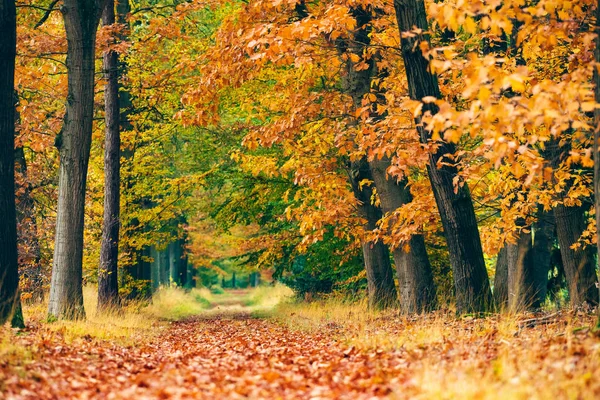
(448, 357)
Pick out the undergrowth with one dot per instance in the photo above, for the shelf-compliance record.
(497, 357)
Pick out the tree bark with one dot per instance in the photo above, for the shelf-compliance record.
(579, 264)
(454, 202)
(10, 303)
(108, 283)
(380, 278)
(415, 278)
(501, 279)
(413, 267)
(520, 279)
(81, 18)
(596, 145)
(543, 241)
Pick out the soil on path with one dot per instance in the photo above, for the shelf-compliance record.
(210, 358)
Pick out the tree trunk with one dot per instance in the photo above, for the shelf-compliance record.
(579, 264)
(454, 202)
(520, 274)
(155, 269)
(501, 279)
(108, 283)
(415, 278)
(596, 145)
(81, 18)
(380, 278)
(10, 303)
(543, 241)
(30, 253)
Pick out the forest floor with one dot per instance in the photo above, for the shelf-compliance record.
(238, 348)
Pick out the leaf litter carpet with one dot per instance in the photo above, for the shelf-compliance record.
(242, 357)
(237, 357)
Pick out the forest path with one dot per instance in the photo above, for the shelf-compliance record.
(215, 356)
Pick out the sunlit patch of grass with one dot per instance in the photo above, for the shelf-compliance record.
(448, 357)
(171, 303)
(125, 326)
(267, 297)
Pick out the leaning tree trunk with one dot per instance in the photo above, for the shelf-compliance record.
(454, 202)
(81, 18)
(108, 283)
(415, 278)
(413, 267)
(380, 278)
(10, 304)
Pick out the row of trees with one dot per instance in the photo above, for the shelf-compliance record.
(452, 139)
(483, 109)
(53, 125)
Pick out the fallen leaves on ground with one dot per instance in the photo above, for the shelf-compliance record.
(244, 357)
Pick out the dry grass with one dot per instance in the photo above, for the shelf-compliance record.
(448, 357)
(125, 326)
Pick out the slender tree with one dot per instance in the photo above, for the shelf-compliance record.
(501, 279)
(10, 304)
(108, 283)
(81, 18)
(454, 202)
(596, 148)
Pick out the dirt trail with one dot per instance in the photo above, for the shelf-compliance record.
(217, 357)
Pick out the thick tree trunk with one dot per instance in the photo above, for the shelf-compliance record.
(413, 267)
(81, 18)
(108, 283)
(10, 304)
(454, 202)
(501, 279)
(380, 278)
(579, 264)
(415, 278)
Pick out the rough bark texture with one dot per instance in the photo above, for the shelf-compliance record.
(380, 278)
(520, 273)
(543, 241)
(81, 18)
(579, 264)
(455, 206)
(415, 278)
(501, 280)
(413, 267)
(9, 273)
(108, 283)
